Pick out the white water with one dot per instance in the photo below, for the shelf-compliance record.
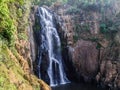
(51, 43)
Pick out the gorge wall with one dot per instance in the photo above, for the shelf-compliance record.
(90, 42)
(90, 38)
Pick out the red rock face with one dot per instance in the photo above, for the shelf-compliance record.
(85, 59)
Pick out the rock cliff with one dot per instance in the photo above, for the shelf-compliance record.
(90, 42)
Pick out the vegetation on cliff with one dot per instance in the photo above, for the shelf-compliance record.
(107, 16)
(15, 72)
(107, 9)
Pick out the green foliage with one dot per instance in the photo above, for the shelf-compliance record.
(78, 28)
(109, 29)
(7, 27)
(103, 28)
(36, 2)
(22, 36)
(37, 87)
(11, 15)
(19, 12)
(89, 1)
(5, 84)
(109, 26)
(109, 22)
(13, 23)
(64, 1)
(43, 2)
(48, 2)
(74, 10)
(85, 27)
(98, 46)
(11, 72)
(76, 38)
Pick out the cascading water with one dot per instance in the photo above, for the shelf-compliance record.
(50, 45)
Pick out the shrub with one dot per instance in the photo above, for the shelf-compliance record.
(7, 27)
(103, 28)
(10, 13)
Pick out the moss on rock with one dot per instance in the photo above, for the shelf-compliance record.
(15, 71)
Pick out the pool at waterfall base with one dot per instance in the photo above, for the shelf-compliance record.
(77, 86)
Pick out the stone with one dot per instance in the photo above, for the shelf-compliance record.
(85, 59)
(104, 43)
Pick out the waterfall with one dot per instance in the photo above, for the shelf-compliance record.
(50, 66)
